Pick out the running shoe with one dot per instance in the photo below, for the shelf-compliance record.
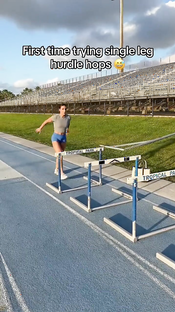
(64, 176)
(56, 171)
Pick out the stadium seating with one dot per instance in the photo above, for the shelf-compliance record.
(152, 81)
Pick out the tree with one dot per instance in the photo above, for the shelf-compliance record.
(6, 95)
(26, 91)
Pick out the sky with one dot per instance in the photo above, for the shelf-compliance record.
(85, 24)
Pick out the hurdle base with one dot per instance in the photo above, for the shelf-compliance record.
(166, 229)
(119, 229)
(121, 193)
(136, 238)
(81, 205)
(166, 260)
(111, 205)
(71, 189)
(54, 188)
(84, 207)
(164, 211)
(93, 181)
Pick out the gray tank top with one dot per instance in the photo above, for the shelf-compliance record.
(61, 123)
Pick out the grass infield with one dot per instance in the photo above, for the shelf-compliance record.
(91, 131)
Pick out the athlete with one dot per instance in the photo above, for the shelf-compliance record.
(61, 123)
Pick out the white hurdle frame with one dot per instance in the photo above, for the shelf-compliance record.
(164, 211)
(112, 161)
(102, 162)
(76, 152)
(133, 236)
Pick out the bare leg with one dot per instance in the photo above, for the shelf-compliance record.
(63, 146)
(58, 148)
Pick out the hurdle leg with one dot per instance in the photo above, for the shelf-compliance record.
(54, 188)
(134, 207)
(77, 202)
(100, 168)
(132, 237)
(89, 188)
(59, 173)
(134, 204)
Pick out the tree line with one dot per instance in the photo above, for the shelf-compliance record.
(8, 95)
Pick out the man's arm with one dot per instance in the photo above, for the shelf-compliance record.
(49, 120)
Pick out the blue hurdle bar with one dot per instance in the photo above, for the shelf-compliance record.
(100, 168)
(59, 173)
(134, 202)
(89, 188)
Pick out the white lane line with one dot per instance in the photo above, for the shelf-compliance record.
(5, 304)
(23, 149)
(15, 288)
(114, 242)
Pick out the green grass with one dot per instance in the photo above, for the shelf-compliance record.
(91, 131)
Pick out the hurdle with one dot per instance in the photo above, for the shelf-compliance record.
(88, 165)
(133, 236)
(76, 152)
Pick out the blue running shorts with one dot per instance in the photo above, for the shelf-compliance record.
(58, 138)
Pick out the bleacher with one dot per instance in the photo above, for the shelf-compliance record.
(153, 81)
